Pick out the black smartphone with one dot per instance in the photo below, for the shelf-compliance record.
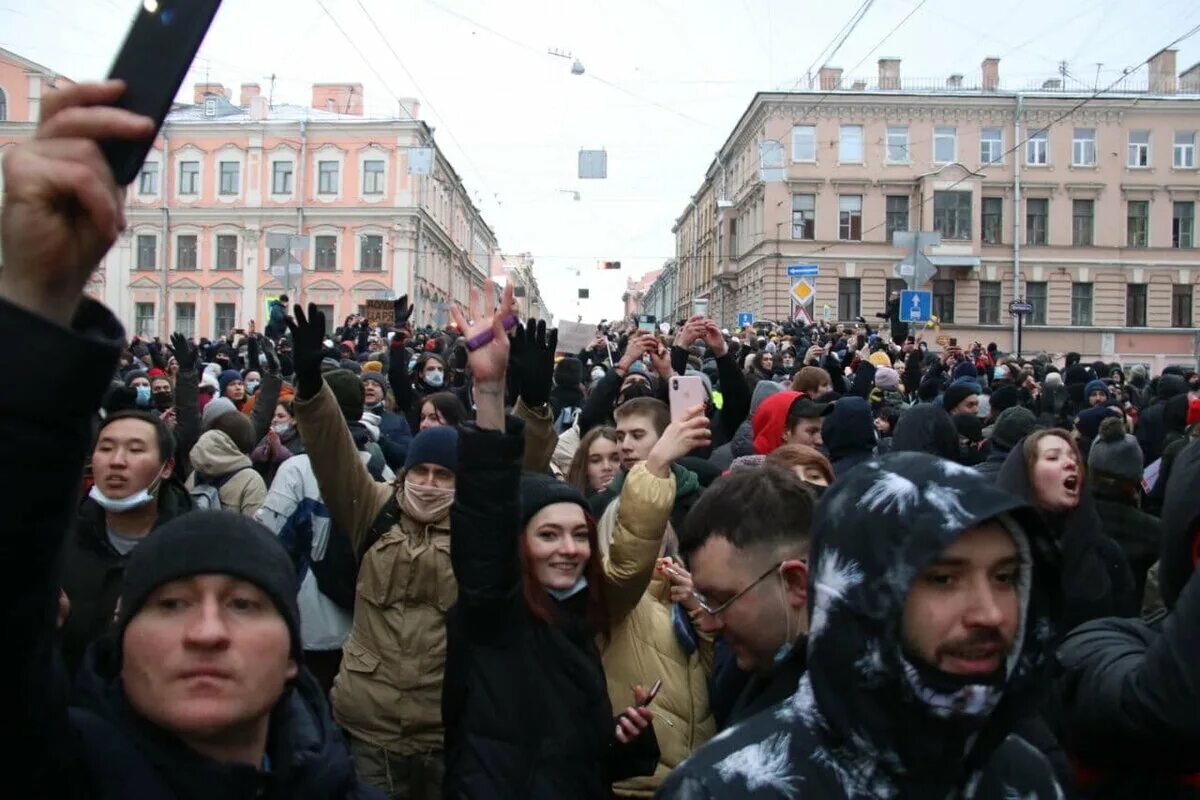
(953, 342)
(153, 62)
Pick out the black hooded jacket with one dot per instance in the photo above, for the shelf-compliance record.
(862, 724)
(1152, 427)
(849, 434)
(926, 428)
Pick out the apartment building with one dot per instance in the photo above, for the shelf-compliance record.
(518, 268)
(376, 209)
(1083, 206)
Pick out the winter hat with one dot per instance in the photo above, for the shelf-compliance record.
(372, 366)
(762, 390)
(1053, 379)
(212, 543)
(217, 407)
(568, 372)
(957, 393)
(1088, 421)
(886, 377)
(348, 390)
(1004, 398)
(329, 364)
(434, 446)
(350, 365)
(927, 391)
(131, 377)
(1115, 452)
(1013, 425)
(227, 377)
(156, 373)
(1077, 373)
(966, 370)
(1095, 386)
(1193, 415)
(539, 491)
(1170, 385)
(377, 377)
(880, 359)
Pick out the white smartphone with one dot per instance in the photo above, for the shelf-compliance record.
(685, 391)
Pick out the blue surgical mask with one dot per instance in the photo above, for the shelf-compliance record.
(412, 362)
(434, 378)
(120, 505)
(143, 396)
(251, 386)
(564, 594)
(999, 373)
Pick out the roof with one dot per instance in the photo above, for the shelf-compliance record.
(31, 66)
(282, 112)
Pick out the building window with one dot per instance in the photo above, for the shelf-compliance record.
(897, 214)
(1181, 305)
(945, 145)
(189, 177)
(1037, 149)
(993, 219)
(144, 319)
(185, 319)
(3, 106)
(804, 143)
(733, 231)
(1185, 149)
(327, 177)
(330, 318)
(1082, 222)
(952, 214)
(1037, 213)
(224, 318)
(1035, 295)
(1139, 148)
(943, 300)
(1083, 147)
(1081, 304)
(1137, 223)
(147, 251)
(850, 144)
(371, 253)
(326, 256)
(148, 179)
(185, 252)
(991, 146)
(373, 182)
(227, 251)
(989, 302)
(1183, 225)
(897, 145)
(850, 217)
(229, 177)
(848, 294)
(1135, 305)
(281, 177)
(804, 216)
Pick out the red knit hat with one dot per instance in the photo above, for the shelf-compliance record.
(1193, 412)
(156, 373)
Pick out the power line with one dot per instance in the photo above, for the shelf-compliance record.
(844, 34)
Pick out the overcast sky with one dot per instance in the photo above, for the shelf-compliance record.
(666, 81)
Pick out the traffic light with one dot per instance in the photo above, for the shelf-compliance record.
(612, 264)
(584, 294)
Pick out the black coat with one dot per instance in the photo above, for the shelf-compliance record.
(1139, 534)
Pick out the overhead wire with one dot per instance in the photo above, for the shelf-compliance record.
(836, 42)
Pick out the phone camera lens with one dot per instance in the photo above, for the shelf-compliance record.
(166, 16)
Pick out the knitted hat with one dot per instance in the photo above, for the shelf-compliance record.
(212, 543)
(957, 393)
(1116, 453)
(886, 377)
(880, 359)
(1095, 386)
(377, 377)
(227, 377)
(329, 364)
(348, 390)
(156, 373)
(434, 446)
(927, 391)
(1088, 421)
(568, 372)
(372, 366)
(1013, 425)
(1004, 398)
(965, 370)
(1053, 379)
(217, 407)
(351, 365)
(131, 377)
(539, 491)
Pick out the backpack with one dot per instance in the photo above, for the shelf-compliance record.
(205, 492)
(565, 419)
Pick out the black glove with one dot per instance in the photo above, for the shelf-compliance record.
(402, 310)
(308, 337)
(536, 361)
(185, 354)
(268, 348)
(156, 354)
(252, 352)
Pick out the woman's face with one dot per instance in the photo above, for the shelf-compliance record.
(768, 361)
(557, 538)
(1056, 476)
(282, 417)
(810, 474)
(604, 459)
(431, 417)
(883, 426)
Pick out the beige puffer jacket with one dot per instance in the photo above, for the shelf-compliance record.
(214, 456)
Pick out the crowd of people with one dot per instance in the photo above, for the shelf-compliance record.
(391, 561)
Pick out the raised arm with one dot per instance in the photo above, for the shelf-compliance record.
(532, 349)
(268, 394)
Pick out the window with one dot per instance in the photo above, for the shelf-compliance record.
(1037, 149)
(148, 179)
(1137, 223)
(1181, 306)
(850, 218)
(1083, 147)
(1135, 305)
(1183, 225)
(1082, 218)
(850, 144)
(3, 106)
(952, 214)
(370, 257)
(1035, 295)
(185, 252)
(326, 256)
(373, 180)
(189, 177)
(897, 214)
(144, 319)
(897, 145)
(804, 216)
(943, 300)
(993, 219)
(991, 146)
(227, 251)
(989, 302)
(1139, 148)
(224, 318)
(733, 232)
(229, 177)
(1037, 212)
(1081, 304)
(1185, 150)
(848, 293)
(804, 143)
(327, 177)
(281, 177)
(147, 249)
(945, 145)
(185, 319)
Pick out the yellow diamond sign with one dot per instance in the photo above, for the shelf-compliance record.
(803, 292)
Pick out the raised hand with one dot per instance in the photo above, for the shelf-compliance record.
(487, 356)
(402, 312)
(308, 340)
(252, 352)
(680, 438)
(714, 338)
(185, 353)
(536, 363)
(661, 359)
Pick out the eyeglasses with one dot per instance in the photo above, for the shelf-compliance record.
(707, 606)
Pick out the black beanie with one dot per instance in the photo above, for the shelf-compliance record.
(348, 390)
(957, 393)
(1002, 398)
(568, 372)
(212, 543)
(539, 491)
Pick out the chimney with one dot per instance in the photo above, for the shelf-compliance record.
(201, 89)
(1162, 72)
(258, 107)
(991, 74)
(954, 81)
(830, 78)
(1189, 81)
(340, 98)
(249, 91)
(1052, 84)
(858, 86)
(889, 73)
(410, 108)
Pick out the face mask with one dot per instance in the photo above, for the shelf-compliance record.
(434, 378)
(251, 386)
(999, 373)
(597, 374)
(411, 363)
(135, 500)
(564, 594)
(163, 400)
(143, 396)
(282, 428)
(427, 503)
(787, 363)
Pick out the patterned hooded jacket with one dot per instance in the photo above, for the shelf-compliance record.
(862, 724)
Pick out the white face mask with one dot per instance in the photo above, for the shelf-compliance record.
(597, 374)
(135, 500)
(434, 378)
(282, 428)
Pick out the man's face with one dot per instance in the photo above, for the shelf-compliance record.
(1097, 398)
(968, 406)
(126, 459)
(432, 475)
(160, 386)
(962, 612)
(206, 657)
(806, 431)
(636, 437)
(372, 392)
(236, 391)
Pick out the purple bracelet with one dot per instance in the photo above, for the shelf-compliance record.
(483, 337)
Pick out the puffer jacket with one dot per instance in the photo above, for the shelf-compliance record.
(216, 456)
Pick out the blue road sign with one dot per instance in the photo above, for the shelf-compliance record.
(802, 270)
(745, 318)
(915, 306)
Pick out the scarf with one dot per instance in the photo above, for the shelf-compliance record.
(426, 504)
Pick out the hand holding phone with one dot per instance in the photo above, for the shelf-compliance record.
(685, 392)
